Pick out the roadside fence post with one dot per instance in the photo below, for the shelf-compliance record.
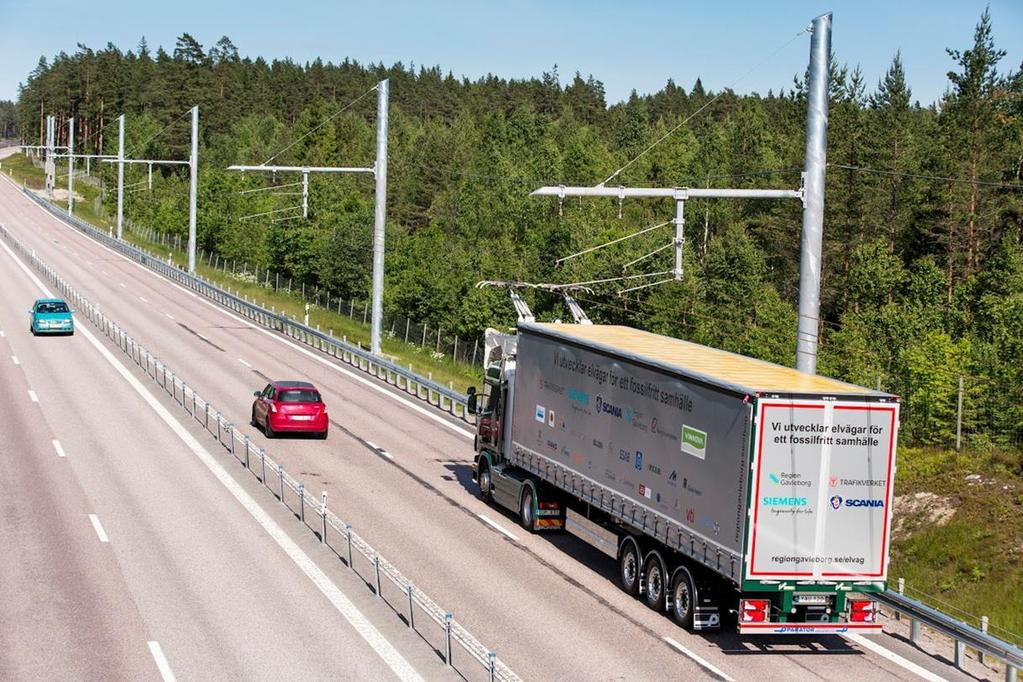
(959, 416)
(447, 636)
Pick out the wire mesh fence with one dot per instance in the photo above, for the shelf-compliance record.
(314, 513)
(960, 411)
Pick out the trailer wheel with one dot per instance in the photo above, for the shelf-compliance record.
(655, 581)
(629, 567)
(526, 518)
(683, 598)
(485, 482)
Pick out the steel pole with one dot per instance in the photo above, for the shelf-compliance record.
(120, 176)
(49, 162)
(71, 165)
(379, 217)
(813, 196)
(193, 172)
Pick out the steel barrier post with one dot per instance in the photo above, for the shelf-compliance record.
(411, 612)
(1010, 673)
(447, 636)
(301, 500)
(280, 480)
(914, 630)
(960, 654)
(246, 441)
(492, 655)
(376, 570)
(262, 464)
(983, 628)
(323, 516)
(902, 590)
(348, 532)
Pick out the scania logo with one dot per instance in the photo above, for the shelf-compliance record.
(837, 502)
(608, 408)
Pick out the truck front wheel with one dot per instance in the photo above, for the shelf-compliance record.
(683, 598)
(629, 567)
(655, 581)
(485, 482)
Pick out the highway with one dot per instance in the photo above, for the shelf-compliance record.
(124, 558)
(398, 470)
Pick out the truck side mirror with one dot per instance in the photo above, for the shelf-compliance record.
(471, 401)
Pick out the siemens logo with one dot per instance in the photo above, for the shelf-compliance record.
(581, 398)
(784, 502)
(608, 408)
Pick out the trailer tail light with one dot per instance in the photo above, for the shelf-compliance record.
(862, 611)
(754, 610)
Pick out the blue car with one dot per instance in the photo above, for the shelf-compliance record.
(51, 316)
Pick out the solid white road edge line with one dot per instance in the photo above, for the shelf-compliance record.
(496, 526)
(374, 386)
(401, 667)
(868, 643)
(161, 662)
(59, 448)
(699, 661)
(33, 396)
(98, 527)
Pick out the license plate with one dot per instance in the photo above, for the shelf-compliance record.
(301, 417)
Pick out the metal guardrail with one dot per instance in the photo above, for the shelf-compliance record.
(963, 634)
(291, 492)
(424, 388)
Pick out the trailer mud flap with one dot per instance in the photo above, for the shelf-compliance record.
(706, 618)
(550, 515)
(809, 628)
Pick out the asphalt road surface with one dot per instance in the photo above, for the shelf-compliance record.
(394, 467)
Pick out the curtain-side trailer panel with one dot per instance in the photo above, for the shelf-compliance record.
(677, 448)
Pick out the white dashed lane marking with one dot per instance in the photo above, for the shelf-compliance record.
(98, 528)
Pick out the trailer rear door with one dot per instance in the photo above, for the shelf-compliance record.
(822, 489)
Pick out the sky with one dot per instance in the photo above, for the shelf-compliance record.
(626, 45)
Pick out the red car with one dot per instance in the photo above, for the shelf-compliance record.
(290, 407)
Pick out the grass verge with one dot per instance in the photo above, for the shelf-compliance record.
(959, 543)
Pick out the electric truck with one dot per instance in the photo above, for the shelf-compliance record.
(732, 484)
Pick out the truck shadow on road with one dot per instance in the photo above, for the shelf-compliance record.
(594, 548)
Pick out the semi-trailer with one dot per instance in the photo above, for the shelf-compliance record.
(732, 484)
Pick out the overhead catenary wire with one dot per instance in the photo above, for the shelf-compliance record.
(705, 105)
(325, 122)
(137, 147)
(920, 176)
(613, 241)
